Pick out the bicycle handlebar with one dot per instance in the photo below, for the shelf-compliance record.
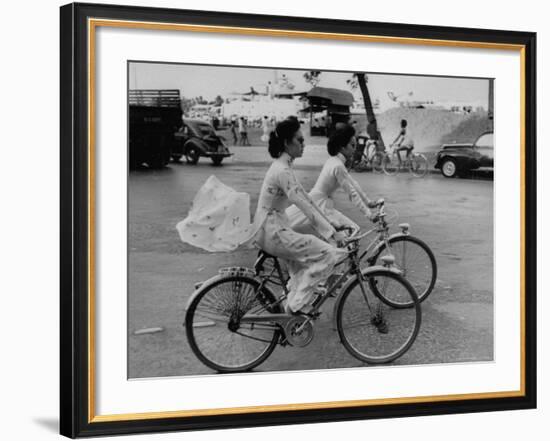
(376, 204)
(355, 237)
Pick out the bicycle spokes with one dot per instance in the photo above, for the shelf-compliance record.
(217, 333)
(372, 330)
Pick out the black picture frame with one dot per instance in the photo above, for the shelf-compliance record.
(77, 418)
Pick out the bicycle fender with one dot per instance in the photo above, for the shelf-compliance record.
(365, 272)
(382, 244)
(206, 284)
(201, 288)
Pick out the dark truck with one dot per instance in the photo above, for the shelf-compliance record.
(155, 116)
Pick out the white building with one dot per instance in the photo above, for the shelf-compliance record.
(258, 106)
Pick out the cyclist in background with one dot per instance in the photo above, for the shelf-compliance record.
(404, 141)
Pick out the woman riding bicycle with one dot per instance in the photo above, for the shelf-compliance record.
(309, 259)
(334, 176)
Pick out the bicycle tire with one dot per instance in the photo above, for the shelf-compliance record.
(390, 164)
(359, 166)
(219, 306)
(418, 165)
(361, 315)
(423, 283)
(376, 162)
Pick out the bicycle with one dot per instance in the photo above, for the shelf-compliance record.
(368, 156)
(234, 321)
(412, 256)
(416, 163)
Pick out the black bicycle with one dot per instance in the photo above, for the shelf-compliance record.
(234, 320)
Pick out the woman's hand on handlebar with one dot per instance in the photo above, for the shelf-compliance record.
(343, 232)
(374, 217)
(376, 204)
(337, 239)
(348, 229)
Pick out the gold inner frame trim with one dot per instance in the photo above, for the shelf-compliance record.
(261, 32)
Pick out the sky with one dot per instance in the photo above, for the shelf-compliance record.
(210, 81)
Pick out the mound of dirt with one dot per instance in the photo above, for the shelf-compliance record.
(468, 130)
(429, 127)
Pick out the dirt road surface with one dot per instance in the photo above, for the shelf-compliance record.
(455, 217)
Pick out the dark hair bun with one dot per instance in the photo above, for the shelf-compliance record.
(340, 138)
(284, 131)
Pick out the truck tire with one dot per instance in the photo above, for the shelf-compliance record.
(157, 162)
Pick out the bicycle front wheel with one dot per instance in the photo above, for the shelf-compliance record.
(214, 329)
(419, 165)
(390, 164)
(371, 330)
(417, 263)
(377, 160)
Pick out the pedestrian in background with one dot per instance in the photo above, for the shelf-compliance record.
(243, 131)
(234, 131)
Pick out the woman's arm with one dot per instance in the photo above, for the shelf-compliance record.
(356, 195)
(298, 196)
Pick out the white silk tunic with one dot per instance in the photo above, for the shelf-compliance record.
(217, 222)
(333, 176)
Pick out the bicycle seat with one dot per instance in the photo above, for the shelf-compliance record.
(262, 257)
(387, 260)
(265, 255)
(404, 226)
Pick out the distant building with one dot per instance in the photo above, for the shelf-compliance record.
(277, 107)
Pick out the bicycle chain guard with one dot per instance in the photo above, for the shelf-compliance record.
(297, 332)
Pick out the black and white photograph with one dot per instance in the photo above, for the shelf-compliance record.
(299, 219)
(275, 220)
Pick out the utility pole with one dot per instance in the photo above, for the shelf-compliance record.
(372, 125)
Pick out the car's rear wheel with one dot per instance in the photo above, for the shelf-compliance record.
(449, 168)
(192, 155)
(217, 160)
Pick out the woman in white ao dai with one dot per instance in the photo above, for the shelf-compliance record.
(334, 176)
(310, 260)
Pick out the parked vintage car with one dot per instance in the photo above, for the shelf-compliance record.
(198, 138)
(458, 159)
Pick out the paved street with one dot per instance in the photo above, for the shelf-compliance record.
(454, 216)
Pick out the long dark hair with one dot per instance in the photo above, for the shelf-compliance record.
(284, 131)
(340, 138)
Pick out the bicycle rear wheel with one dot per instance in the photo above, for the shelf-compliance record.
(371, 330)
(376, 162)
(418, 165)
(359, 165)
(390, 164)
(416, 261)
(215, 333)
